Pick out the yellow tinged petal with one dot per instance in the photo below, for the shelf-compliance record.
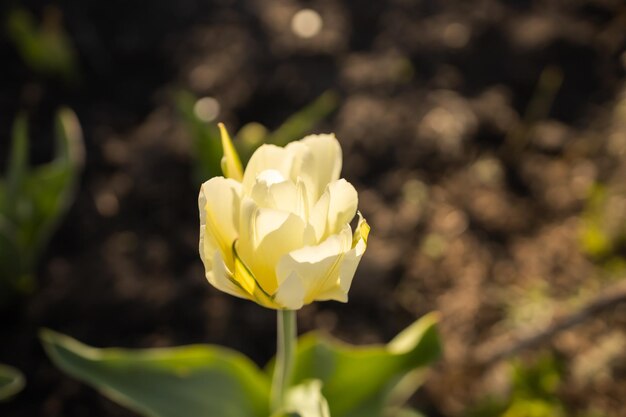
(266, 235)
(219, 202)
(221, 278)
(231, 164)
(361, 233)
(248, 282)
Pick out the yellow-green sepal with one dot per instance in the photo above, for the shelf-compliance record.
(231, 163)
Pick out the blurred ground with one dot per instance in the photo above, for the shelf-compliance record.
(487, 140)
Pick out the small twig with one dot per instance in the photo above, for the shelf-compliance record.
(494, 351)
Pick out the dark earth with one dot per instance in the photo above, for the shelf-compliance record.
(474, 131)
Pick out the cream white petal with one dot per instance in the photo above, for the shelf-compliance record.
(303, 168)
(219, 202)
(335, 208)
(349, 263)
(318, 217)
(266, 157)
(318, 267)
(326, 153)
(290, 293)
(272, 191)
(206, 247)
(347, 270)
(343, 204)
(267, 235)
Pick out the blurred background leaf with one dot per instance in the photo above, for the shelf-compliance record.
(11, 382)
(45, 48)
(33, 200)
(207, 149)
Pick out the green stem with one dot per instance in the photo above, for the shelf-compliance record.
(285, 355)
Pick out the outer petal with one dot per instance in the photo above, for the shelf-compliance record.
(327, 156)
(290, 293)
(219, 204)
(317, 267)
(267, 235)
(350, 263)
(221, 278)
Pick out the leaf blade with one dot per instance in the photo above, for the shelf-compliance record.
(194, 381)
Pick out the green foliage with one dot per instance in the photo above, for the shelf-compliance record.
(202, 381)
(45, 48)
(33, 200)
(210, 381)
(11, 382)
(303, 121)
(603, 226)
(207, 148)
(595, 237)
(533, 392)
(359, 381)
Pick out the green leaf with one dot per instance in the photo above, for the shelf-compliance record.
(18, 162)
(34, 199)
(207, 146)
(70, 150)
(357, 381)
(190, 381)
(11, 382)
(44, 47)
(302, 122)
(46, 192)
(51, 187)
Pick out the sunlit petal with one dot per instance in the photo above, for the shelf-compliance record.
(326, 153)
(290, 293)
(266, 157)
(219, 202)
(318, 267)
(335, 208)
(221, 279)
(267, 235)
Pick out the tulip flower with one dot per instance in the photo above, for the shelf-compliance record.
(278, 233)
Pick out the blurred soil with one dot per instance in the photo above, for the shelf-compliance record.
(474, 131)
